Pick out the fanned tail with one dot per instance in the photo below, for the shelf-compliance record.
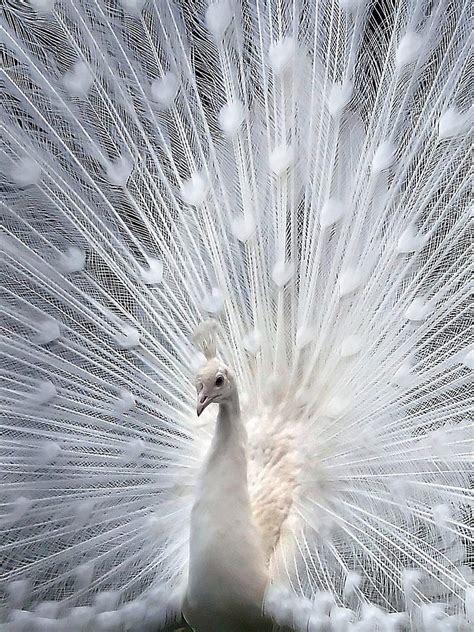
(297, 171)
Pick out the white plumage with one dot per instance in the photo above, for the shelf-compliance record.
(297, 170)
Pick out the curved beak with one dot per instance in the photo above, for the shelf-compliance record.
(203, 402)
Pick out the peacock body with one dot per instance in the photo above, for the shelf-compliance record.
(298, 172)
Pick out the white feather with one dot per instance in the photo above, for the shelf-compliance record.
(408, 49)
(280, 159)
(78, 80)
(47, 331)
(194, 191)
(332, 211)
(351, 345)
(453, 123)
(282, 273)
(418, 309)
(244, 227)
(231, 117)
(26, 172)
(383, 157)
(351, 5)
(118, 171)
(132, 7)
(349, 280)
(154, 273)
(339, 97)
(128, 337)
(42, 6)
(218, 18)
(164, 89)
(410, 240)
(281, 54)
(73, 260)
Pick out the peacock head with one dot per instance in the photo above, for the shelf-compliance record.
(214, 384)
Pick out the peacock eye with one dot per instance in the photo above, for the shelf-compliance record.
(219, 380)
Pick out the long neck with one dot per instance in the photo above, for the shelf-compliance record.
(223, 490)
(230, 438)
(226, 562)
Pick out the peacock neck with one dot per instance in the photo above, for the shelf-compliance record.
(223, 479)
(226, 563)
(228, 419)
(230, 437)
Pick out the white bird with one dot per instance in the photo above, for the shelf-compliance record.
(288, 181)
(227, 572)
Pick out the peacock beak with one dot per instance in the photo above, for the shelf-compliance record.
(203, 402)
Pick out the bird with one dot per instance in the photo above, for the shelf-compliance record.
(236, 332)
(227, 573)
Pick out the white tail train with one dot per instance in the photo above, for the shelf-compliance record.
(297, 171)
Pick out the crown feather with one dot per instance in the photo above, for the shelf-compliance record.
(205, 338)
